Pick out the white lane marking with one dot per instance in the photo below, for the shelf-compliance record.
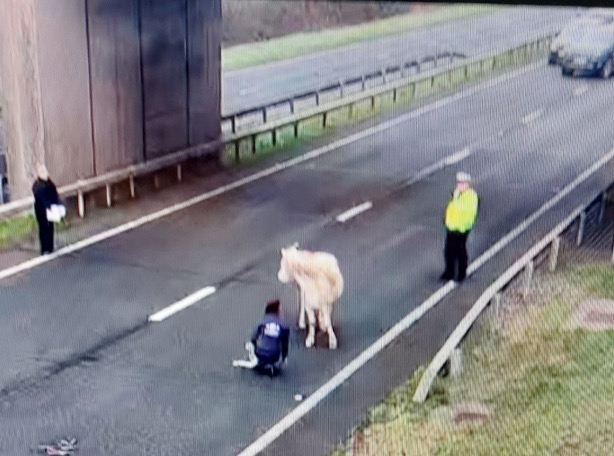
(531, 117)
(247, 91)
(181, 305)
(458, 156)
(321, 393)
(344, 217)
(441, 164)
(27, 265)
(580, 90)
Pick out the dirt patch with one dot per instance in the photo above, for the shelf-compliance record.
(359, 444)
(595, 315)
(471, 414)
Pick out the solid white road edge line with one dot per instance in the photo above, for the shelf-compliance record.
(285, 423)
(180, 305)
(27, 265)
(344, 217)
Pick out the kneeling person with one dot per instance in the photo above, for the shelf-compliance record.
(268, 348)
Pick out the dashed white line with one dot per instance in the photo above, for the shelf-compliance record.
(246, 91)
(181, 305)
(452, 159)
(344, 217)
(580, 90)
(531, 117)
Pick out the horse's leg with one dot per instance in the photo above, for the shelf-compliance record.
(301, 308)
(311, 336)
(328, 327)
(322, 320)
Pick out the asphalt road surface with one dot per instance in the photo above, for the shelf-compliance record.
(252, 87)
(79, 360)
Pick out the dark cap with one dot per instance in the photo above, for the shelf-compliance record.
(272, 307)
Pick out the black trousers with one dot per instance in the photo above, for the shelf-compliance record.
(45, 235)
(455, 253)
(268, 364)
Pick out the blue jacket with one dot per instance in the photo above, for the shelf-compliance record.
(271, 339)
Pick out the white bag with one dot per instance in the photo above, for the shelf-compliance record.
(56, 213)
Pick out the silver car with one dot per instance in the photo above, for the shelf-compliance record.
(590, 52)
(595, 17)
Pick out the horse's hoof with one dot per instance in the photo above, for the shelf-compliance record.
(309, 343)
(332, 345)
(302, 325)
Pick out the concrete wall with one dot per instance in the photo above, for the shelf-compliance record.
(22, 106)
(95, 85)
(65, 88)
(115, 73)
(205, 67)
(165, 85)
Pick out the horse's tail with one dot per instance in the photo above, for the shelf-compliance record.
(333, 273)
(337, 282)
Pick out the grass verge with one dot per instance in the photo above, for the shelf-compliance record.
(548, 386)
(16, 229)
(247, 55)
(23, 228)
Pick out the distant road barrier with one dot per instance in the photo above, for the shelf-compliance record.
(549, 245)
(429, 80)
(264, 113)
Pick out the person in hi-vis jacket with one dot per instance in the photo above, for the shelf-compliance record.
(460, 218)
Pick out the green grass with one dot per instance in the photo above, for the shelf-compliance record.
(548, 385)
(16, 229)
(22, 228)
(287, 145)
(247, 55)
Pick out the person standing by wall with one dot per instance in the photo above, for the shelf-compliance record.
(45, 195)
(460, 218)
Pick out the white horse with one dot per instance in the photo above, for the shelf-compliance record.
(320, 286)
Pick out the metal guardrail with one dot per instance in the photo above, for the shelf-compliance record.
(342, 88)
(479, 64)
(526, 266)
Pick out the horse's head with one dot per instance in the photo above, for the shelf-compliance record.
(284, 275)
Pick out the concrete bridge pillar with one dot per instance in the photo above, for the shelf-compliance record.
(89, 86)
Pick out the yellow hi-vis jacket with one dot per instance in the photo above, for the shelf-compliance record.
(462, 211)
